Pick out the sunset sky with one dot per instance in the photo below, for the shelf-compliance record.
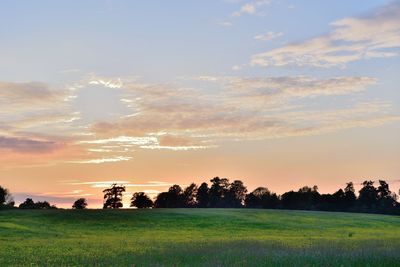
(277, 93)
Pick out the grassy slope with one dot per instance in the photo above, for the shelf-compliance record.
(212, 237)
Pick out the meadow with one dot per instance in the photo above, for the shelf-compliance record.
(197, 237)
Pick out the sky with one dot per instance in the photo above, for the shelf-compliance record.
(277, 93)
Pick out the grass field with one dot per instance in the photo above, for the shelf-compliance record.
(197, 237)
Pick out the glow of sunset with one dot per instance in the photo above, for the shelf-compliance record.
(154, 93)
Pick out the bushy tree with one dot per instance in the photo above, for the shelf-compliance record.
(262, 198)
(80, 204)
(189, 196)
(236, 194)
(141, 201)
(171, 199)
(6, 199)
(218, 192)
(30, 204)
(113, 197)
(202, 196)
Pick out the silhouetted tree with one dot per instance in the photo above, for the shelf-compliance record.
(305, 198)
(43, 205)
(113, 197)
(368, 197)
(218, 192)
(6, 199)
(261, 197)
(189, 196)
(202, 195)
(27, 204)
(386, 199)
(80, 204)
(30, 204)
(171, 199)
(141, 201)
(236, 194)
(349, 196)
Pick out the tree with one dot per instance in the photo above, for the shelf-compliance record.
(113, 197)
(189, 196)
(27, 204)
(202, 195)
(349, 195)
(305, 198)
(141, 201)
(368, 196)
(171, 199)
(386, 199)
(218, 192)
(261, 197)
(80, 204)
(30, 204)
(6, 198)
(236, 194)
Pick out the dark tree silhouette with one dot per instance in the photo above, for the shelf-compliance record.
(202, 196)
(189, 196)
(113, 197)
(6, 199)
(141, 201)
(349, 196)
(30, 204)
(305, 198)
(368, 196)
(236, 194)
(80, 204)
(218, 191)
(171, 199)
(27, 204)
(386, 199)
(261, 197)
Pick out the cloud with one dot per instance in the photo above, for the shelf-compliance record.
(351, 39)
(101, 160)
(28, 95)
(22, 145)
(105, 184)
(240, 108)
(250, 8)
(268, 36)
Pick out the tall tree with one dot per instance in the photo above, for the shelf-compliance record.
(5, 197)
(350, 195)
(218, 192)
(113, 197)
(202, 196)
(236, 194)
(368, 196)
(141, 201)
(80, 204)
(189, 196)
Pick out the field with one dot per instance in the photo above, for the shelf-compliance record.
(197, 237)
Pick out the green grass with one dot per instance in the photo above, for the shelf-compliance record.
(197, 237)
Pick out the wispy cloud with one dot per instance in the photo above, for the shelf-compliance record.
(23, 145)
(250, 8)
(268, 36)
(101, 160)
(352, 39)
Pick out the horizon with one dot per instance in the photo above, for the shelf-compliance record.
(267, 92)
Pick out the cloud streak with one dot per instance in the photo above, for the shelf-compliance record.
(351, 39)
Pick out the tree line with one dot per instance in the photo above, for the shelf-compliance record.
(221, 193)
